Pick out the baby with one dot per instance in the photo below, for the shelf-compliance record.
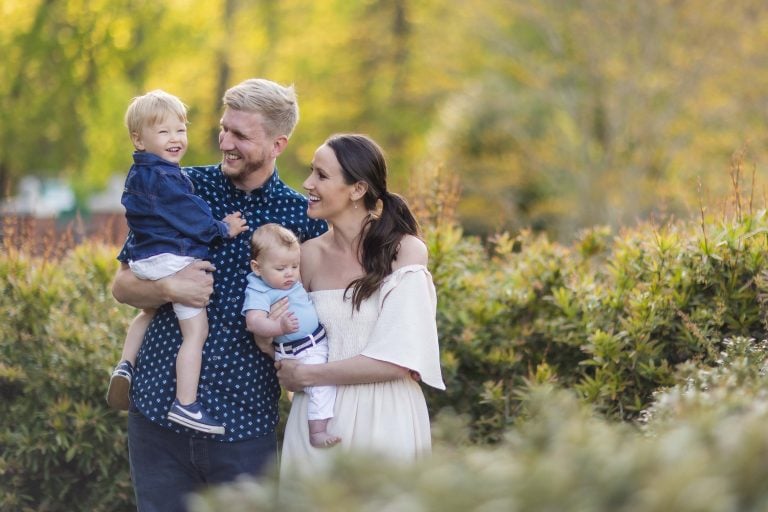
(275, 258)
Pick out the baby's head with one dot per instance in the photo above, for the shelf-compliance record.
(275, 256)
(157, 123)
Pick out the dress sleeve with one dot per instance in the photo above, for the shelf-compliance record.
(405, 333)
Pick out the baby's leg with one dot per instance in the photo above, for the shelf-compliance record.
(189, 359)
(319, 436)
(321, 400)
(320, 410)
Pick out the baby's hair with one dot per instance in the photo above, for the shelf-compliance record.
(153, 107)
(270, 235)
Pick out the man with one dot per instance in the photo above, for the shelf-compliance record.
(237, 381)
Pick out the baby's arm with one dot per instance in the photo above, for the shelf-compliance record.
(265, 328)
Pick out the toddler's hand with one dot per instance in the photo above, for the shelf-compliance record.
(236, 224)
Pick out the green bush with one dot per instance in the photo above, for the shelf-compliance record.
(61, 331)
(612, 318)
(608, 316)
(698, 450)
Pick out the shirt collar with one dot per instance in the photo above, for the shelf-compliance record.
(258, 284)
(147, 158)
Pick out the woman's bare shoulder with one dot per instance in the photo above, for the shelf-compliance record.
(412, 251)
(313, 244)
(311, 256)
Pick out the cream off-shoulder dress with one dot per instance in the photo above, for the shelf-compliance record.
(396, 324)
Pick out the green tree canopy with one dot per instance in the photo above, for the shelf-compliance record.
(556, 115)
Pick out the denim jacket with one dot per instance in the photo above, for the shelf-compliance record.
(163, 212)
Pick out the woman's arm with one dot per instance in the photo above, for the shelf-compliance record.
(355, 370)
(191, 286)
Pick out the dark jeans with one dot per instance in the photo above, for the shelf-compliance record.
(166, 466)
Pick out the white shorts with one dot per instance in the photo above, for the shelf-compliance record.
(321, 398)
(164, 265)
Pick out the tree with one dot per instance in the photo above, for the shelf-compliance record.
(602, 112)
(66, 62)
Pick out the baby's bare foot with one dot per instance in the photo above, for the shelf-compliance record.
(323, 439)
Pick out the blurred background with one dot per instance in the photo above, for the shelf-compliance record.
(553, 115)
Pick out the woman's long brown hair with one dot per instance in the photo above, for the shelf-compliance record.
(361, 159)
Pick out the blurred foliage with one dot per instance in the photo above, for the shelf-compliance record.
(621, 371)
(707, 452)
(602, 112)
(61, 448)
(610, 316)
(652, 329)
(553, 115)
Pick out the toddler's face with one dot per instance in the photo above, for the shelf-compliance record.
(278, 267)
(166, 139)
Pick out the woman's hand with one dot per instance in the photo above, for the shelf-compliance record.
(289, 373)
(278, 309)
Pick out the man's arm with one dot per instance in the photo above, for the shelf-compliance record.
(191, 286)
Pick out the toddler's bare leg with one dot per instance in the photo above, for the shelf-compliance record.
(319, 436)
(135, 335)
(189, 359)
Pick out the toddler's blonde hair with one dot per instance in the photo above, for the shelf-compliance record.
(153, 107)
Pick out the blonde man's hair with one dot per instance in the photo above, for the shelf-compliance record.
(277, 104)
(270, 235)
(153, 107)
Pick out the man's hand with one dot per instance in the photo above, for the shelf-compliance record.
(191, 286)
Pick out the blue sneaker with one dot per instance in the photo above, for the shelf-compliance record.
(194, 416)
(118, 394)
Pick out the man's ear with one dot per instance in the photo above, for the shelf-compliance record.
(279, 145)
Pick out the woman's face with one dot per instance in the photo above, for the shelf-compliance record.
(328, 194)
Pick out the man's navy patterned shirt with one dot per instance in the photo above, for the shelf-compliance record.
(238, 385)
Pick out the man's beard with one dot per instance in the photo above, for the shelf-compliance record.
(249, 169)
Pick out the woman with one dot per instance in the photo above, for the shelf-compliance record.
(368, 279)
